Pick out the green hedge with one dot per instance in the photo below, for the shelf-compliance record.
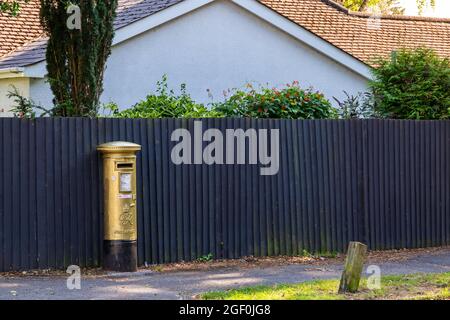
(412, 84)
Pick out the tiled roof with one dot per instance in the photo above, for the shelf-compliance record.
(22, 42)
(16, 31)
(130, 11)
(360, 34)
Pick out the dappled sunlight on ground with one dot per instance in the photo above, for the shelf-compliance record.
(176, 284)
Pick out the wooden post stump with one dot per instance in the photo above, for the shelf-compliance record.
(354, 264)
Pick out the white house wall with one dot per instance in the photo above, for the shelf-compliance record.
(40, 93)
(217, 47)
(6, 85)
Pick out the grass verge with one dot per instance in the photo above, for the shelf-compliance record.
(405, 287)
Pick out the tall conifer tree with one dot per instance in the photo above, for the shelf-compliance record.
(76, 59)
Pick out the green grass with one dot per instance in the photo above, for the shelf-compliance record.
(408, 287)
(206, 258)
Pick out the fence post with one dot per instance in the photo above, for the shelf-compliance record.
(351, 276)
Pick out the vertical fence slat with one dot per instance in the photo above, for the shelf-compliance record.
(23, 252)
(3, 224)
(7, 199)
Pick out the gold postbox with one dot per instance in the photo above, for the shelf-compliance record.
(120, 218)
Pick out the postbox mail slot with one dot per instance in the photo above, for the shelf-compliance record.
(127, 166)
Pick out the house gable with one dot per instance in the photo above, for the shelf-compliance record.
(32, 55)
(353, 33)
(217, 47)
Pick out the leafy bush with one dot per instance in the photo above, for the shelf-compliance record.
(361, 106)
(291, 102)
(25, 108)
(413, 84)
(165, 104)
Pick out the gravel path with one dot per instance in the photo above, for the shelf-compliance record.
(185, 285)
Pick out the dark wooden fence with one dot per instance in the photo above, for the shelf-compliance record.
(386, 183)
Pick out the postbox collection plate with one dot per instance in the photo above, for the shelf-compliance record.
(125, 182)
